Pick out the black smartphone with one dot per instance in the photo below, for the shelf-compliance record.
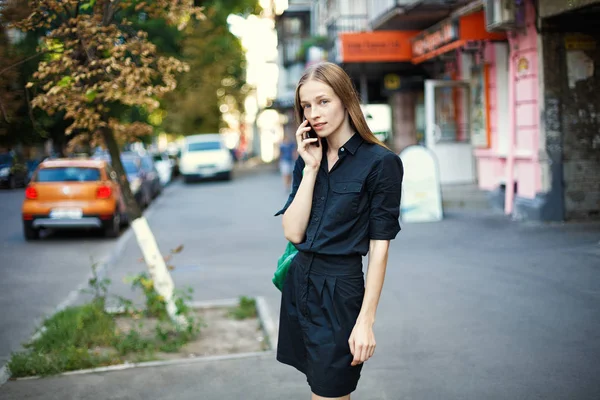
(312, 134)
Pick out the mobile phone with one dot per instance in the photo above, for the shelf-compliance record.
(312, 134)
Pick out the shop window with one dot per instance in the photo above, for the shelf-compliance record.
(451, 111)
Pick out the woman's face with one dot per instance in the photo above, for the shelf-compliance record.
(322, 108)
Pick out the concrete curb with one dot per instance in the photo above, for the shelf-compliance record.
(264, 317)
(181, 361)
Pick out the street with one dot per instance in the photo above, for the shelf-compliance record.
(35, 277)
(473, 307)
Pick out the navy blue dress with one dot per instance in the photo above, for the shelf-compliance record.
(358, 200)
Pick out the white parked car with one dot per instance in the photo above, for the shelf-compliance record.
(205, 156)
(164, 165)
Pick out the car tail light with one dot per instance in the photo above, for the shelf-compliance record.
(103, 192)
(31, 193)
(27, 217)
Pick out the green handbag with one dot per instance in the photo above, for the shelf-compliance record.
(283, 265)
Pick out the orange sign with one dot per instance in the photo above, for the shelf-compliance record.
(431, 40)
(451, 34)
(379, 46)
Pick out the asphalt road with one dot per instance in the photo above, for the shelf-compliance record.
(473, 307)
(35, 277)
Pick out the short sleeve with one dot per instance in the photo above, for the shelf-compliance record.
(385, 199)
(296, 179)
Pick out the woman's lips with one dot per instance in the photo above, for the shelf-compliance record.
(319, 126)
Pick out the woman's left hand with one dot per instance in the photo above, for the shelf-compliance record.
(362, 343)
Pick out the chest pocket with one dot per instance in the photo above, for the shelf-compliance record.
(345, 198)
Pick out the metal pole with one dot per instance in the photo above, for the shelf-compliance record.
(512, 132)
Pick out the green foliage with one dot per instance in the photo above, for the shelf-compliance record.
(313, 41)
(156, 305)
(87, 336)
(213, 53)
(134, 342)
(65, 342)
(67, 359)
(97, 286)
(217, 72)
(246, 308)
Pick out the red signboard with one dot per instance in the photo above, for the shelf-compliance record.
(440, 35)
(451, 34)
(378, 46)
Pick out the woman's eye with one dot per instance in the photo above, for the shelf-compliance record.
(324, 101)
(306, 106)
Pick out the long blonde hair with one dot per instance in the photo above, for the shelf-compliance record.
(336, 78)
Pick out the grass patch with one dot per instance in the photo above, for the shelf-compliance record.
(246, 308)
(67, 343)
(88, 336)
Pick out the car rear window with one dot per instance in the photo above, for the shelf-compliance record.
(68, 174)
(204, 146)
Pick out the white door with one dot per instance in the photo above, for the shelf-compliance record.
(447, 132)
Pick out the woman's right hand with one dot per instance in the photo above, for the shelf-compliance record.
(310, 153)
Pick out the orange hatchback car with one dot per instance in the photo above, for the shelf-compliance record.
(73, 193)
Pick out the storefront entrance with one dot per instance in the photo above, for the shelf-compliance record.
(447, 129)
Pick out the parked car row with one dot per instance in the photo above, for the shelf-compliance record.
(84, 193)
(13, 171)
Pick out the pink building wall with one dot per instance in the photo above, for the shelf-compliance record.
(492, 163)
(524, 52)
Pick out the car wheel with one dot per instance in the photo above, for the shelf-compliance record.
(30, 232)
(113, 228)
(124, 218)
(12, 182)
(148, 200)
(227, 176)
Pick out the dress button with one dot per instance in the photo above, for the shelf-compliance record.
(322, 198)
(342, 149)
(317, 218)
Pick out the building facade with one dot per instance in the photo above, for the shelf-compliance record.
(504, 92)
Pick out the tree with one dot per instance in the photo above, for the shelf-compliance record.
(10, 95)
(217, 71)
(97, 65)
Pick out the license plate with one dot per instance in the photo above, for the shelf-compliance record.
(206, 171)
(66, 213)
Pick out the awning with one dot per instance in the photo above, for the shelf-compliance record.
(451, 34)
(380, 46)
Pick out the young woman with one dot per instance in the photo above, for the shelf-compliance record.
(344, 203)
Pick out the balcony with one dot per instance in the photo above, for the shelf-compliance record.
(410, 14)
(293, 27)
(347, 23)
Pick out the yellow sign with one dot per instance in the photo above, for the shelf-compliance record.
(579, 42)
(522, 66)
(391, 81)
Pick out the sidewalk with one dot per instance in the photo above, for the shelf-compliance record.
(474, 307)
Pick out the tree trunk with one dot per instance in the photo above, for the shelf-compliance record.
(163, 283)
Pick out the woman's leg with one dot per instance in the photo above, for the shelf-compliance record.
(315, 397)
